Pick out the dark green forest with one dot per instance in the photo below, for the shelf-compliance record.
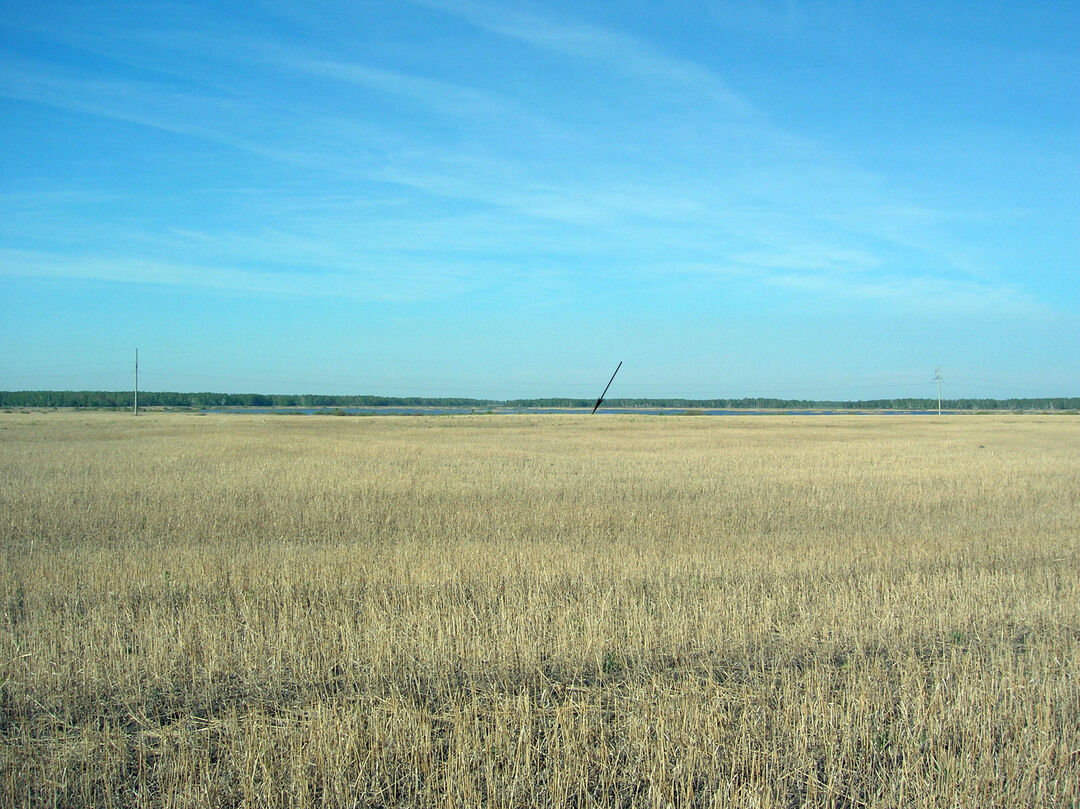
(200, 401)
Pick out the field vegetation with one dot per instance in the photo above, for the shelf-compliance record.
(515, 611)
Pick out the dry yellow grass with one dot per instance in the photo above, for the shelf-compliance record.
(539, 611)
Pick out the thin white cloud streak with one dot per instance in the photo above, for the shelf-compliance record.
(925, 295)
(811, 257)
(143, 103)
(852, 191)
(463, 102)
(417, 280)
(596, 204)
(470, 171)
(625, 54)
(515, 179)
(413, 281)
(503, 182)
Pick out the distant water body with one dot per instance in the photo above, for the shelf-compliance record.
(497, 410)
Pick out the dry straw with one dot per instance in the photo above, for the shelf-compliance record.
(523, 611)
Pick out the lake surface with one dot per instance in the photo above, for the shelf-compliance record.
(498, 410)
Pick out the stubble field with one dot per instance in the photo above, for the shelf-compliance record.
(514, 611)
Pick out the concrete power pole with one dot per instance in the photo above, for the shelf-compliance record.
(136, 381)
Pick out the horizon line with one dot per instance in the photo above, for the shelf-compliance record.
(324, 399)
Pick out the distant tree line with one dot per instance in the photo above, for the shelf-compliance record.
(124, 399)
(759, 403)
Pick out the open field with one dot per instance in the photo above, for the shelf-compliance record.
(539, 610)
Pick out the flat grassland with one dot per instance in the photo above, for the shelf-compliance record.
(514, 611)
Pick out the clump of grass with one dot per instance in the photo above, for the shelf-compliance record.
(234, 610)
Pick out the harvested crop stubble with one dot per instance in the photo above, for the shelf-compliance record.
(539, 610)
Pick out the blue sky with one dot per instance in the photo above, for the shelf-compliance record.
(805, 200)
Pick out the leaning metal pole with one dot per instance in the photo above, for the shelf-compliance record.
(602, 395)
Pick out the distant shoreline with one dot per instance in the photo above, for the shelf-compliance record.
(504, 410)
(203, 401)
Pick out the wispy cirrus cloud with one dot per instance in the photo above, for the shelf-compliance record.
(622, 53)
(815, 257)
(414, 280)
(444, 97)
(927, 295)
(691, 175)
(155, 105)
